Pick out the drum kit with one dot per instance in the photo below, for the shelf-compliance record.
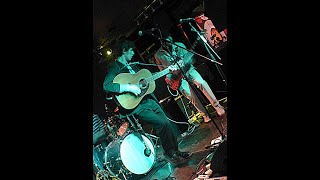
(123, 154)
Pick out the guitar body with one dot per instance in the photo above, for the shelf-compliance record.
(129, 100)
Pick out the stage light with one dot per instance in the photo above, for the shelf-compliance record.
(109, 52)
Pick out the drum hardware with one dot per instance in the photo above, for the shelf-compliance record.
(138, 128)
(111, 125)
(121, 157)
(99, 147)
(112, 131)
(97, 158)
(113, 122)
(123, 173)
(154, 138)
(129, 145)
(102, 175)
(122, 170)
(117, 126)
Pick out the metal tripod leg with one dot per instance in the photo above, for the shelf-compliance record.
(139, 128)
(153, 138)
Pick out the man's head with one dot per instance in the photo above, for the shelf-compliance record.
(123, 47)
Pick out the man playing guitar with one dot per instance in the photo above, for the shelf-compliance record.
(120, 83)
(173, 53)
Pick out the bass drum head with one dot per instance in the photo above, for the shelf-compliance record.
(126, 155)
(133, 156)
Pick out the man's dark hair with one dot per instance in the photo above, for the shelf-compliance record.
(122, 44)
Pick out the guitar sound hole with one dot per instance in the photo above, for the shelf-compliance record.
(143, 83)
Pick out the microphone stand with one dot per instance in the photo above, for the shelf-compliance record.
(207, 46)
(162, 40)
(212, 60)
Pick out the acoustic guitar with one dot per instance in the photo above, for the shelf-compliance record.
(144, 79)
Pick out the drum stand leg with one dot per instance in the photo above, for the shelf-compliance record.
(124, 176)
(154, 138)
(137, 126)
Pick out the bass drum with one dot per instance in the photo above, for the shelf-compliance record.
(125, 157)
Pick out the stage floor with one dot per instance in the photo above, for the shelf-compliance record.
(198, 142)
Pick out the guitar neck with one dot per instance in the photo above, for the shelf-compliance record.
(158, 75)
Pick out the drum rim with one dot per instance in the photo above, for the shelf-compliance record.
(118, 141)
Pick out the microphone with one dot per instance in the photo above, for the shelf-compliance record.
(148, 31)
(186, 20)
